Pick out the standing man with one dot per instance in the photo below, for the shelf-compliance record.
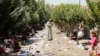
(49, 30)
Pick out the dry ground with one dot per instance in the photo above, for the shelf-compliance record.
(62, 46)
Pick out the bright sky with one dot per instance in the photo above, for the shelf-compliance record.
(57, 2)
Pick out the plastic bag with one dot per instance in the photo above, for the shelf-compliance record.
(80, 34)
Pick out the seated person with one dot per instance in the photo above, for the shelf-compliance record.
(2, 50)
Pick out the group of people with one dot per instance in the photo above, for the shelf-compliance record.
(11, 42)
(9, 45)
(79, 33)
(93, 34)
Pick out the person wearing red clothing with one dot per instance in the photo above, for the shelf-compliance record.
(2, 50)
(94, 40)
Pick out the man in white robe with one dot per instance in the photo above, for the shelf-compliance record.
(49, 30)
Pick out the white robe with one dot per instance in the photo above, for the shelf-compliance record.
(49, 30)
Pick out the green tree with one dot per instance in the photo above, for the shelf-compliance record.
(94, 6)
(16, 14)
(67, 14)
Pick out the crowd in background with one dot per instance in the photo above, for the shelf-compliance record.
(12, 41)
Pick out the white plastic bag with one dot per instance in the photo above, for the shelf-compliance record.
(80, 34)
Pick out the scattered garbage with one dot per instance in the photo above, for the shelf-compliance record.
(71, 41)
(65, 37)
(55, 39)
(47, 45)
(65, 49)
(80, 46)
(59, 50)
(58, 42)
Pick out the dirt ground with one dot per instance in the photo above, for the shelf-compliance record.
(62, 46)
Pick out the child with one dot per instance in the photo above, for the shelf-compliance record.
(94, 41)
